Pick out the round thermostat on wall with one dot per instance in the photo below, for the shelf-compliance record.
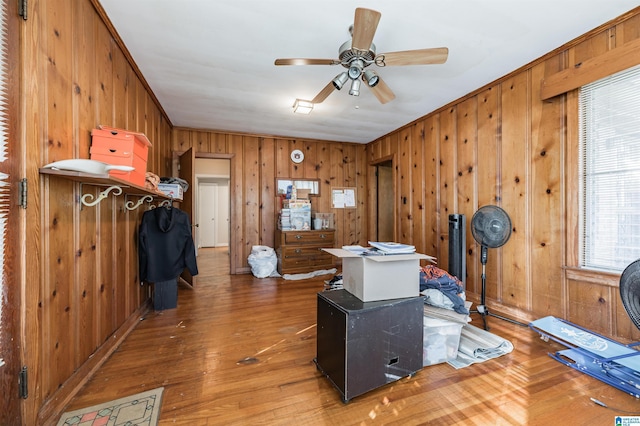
(297, 156)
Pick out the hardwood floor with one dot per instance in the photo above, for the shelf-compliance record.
(239, 351)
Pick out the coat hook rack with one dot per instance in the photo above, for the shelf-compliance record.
(129, 205)
(104, 194)
(165, 203)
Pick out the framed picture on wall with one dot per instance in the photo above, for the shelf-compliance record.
(343, 198)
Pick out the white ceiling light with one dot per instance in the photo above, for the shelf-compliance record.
(302, 107)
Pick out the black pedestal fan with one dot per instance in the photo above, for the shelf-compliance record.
(491, 228)
(630, 291)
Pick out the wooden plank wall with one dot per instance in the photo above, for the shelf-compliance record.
(256, 161)
(503, 145)
(499, 145)
(81, 283)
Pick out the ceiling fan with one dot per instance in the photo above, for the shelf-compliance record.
(359, 53)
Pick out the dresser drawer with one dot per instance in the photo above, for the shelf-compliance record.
(299, 264)
(301, 251)
(324, 239)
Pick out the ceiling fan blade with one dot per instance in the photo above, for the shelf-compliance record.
(382, 92)
(328, 89)
(364, 28)
(306, 61)
(437, 55)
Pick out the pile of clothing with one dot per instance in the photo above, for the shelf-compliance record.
(442, 289)
(151, 181)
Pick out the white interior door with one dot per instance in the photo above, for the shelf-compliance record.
(207, 193)
(213, 213)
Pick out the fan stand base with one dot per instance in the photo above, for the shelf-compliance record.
(482, 308)
(484, 312)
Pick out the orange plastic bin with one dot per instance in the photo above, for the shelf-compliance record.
(123, 148)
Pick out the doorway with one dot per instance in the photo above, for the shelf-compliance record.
(384, 208)
(211, 168)
(213, 212)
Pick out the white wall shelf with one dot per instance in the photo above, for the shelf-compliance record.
(113, 185)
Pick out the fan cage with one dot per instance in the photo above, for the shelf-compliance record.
(630, 291)
(480, 226)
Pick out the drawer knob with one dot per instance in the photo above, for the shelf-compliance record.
(323, 236)
(298, 251)
(298, 236)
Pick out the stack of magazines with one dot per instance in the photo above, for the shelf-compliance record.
(357, 249)
(392, 248)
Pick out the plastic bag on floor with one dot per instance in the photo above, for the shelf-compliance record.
(263, 262)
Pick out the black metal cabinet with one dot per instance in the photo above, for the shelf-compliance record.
(364, 345)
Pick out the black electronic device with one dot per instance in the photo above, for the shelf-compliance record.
(457, 244)
(365, 345)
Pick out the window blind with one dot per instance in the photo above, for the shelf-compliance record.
(610, 169)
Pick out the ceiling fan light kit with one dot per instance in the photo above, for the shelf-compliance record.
(371, 78)
(360, 52)
(340, 80)
(355, 88)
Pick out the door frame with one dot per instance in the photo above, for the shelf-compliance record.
(233, 263)
(373, 196)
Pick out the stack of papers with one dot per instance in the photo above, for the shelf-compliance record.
(358, 249)
(393, 248)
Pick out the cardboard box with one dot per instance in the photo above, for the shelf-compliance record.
(302, 194)
(441, 339)
(172, 190)
(297, 205)
(122, 148)
(372, 278)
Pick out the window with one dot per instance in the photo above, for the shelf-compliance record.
(610, 171)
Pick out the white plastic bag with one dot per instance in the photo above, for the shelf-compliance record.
(263, 262)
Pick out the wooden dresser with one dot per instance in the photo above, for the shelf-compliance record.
(300, 252)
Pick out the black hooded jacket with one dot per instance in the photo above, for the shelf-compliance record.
(165, 245)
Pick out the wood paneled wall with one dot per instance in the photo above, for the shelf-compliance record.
(81, 288)
(256, 162)
(499, 145)
(504, 145)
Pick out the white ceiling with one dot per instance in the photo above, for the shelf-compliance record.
(210, 63)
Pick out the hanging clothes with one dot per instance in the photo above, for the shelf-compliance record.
(435, 278)
(165, 295)
(166, 245)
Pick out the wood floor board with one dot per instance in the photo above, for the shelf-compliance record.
(239, 351)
